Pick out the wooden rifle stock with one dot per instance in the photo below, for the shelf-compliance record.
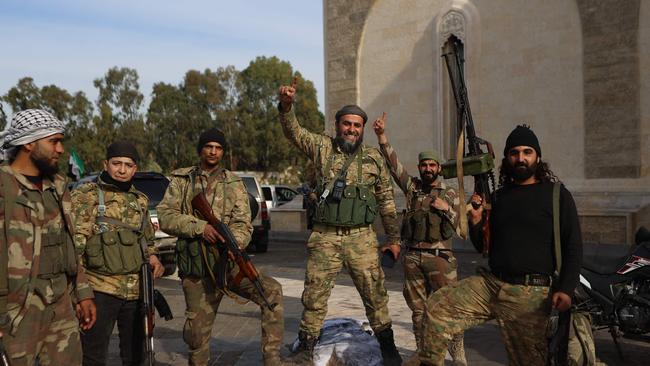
(246, 268)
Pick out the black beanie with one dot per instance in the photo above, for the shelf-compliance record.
(522, 135)
(211, 135)
(123, 149)
(351, 109)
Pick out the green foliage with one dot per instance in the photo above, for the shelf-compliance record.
(262, 144)
(242, 104)
(3, 116)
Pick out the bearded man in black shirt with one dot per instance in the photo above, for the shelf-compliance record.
(517, 289)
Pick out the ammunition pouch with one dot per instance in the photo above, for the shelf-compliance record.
(114, 252)
(357, 207)
(190, 259)
(57, 255)
(426, 226)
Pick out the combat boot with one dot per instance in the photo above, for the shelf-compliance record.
(388, 350)
(304, 353)
(412, 361)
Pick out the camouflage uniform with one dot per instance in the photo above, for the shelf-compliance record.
(426, 270)
(330, 247)
(130, 208)
(479, 299)
(229, 202)
(41, 270)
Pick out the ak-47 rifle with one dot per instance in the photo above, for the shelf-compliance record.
(152, 299)
(230, 249)
(475, 161)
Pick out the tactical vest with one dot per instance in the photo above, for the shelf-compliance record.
(357, 206)
(422, 224)
(114, 252)
(191, 253)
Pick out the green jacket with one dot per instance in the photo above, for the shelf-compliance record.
(32, 234)
(223, 189)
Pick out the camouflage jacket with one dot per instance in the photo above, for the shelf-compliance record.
(412, 188)
(223, 189)
(35, 216)
(127, 207)
(319, 148)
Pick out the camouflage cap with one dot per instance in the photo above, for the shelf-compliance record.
(428, 155)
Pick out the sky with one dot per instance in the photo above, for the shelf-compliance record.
(69, 43)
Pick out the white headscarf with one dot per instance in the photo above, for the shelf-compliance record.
(28, 126)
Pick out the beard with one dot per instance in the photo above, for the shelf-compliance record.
(520, 171)
(44, 165)
(347, 146)
(428, 178)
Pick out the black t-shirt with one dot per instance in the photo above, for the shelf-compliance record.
(522, 233)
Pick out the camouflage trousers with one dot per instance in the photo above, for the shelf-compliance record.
(328, 250)
(203, 301)
(520, 311)
(48, 333)
(424, 274)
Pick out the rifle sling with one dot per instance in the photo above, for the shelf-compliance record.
(556, 229)
(460, 174)
(341, 172)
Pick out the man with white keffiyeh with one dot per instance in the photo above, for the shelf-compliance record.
(41, 288)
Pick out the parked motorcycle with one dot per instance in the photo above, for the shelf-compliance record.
(617, 294)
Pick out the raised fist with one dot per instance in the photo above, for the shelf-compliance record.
(287, 95)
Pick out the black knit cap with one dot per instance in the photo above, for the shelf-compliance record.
(211, 135)
(122, 149)
(522, 135)
(351, 109)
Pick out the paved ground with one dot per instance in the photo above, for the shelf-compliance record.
(236, 333)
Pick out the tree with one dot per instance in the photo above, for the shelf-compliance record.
(230, 82)
(24, 95)
(262, 145)
(119, 103)
(74, 110)
(242, 104)
(166, 119)
(178, 114)
(3, 116)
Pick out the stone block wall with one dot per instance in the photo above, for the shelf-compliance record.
(344, 22)
(611, 88)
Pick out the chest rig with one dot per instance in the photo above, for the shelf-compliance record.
(342, 204)
(421, 223)
(191, 255)
(119, 251)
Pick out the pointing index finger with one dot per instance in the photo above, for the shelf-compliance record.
(294, 83)
(383, 116)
